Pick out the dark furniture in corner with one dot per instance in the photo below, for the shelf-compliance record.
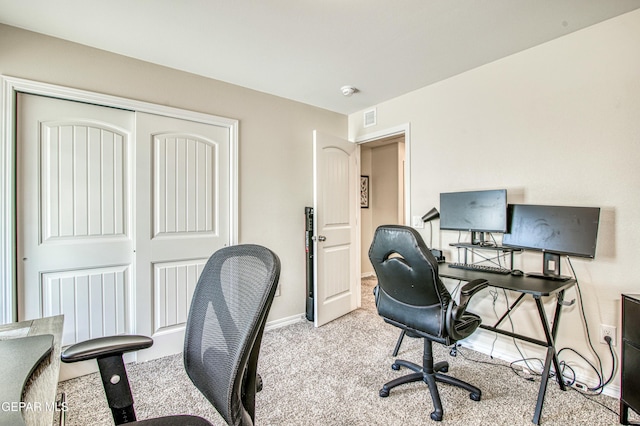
(411, 296)
(630, 381)
(222, 339)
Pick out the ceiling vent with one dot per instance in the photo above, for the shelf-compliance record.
(370, 118)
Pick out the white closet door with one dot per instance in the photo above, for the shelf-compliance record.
(182, 181)
(118, 212)
(74, 221)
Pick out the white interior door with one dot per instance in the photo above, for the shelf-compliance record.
(74, 215)
(183, 205)
(336, 207)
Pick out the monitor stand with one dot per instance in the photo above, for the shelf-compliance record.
(478, 239)
(550, 268)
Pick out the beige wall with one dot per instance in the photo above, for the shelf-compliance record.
(384, 185)
(275, 136)
(556, 124)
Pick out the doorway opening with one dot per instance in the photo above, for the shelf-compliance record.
(384, 161)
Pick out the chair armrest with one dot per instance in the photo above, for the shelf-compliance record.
(105, 346)
(469, 289)
(455, 311)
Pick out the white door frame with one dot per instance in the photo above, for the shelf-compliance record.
(403, 129)
(10, 87)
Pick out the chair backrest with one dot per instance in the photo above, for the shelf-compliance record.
(410, 293)
(225, 326)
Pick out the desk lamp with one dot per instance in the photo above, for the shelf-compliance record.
(429, 217)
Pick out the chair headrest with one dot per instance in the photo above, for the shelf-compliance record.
(405, 267)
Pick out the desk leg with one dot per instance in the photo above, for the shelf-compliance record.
(550, 336)
(543, 385)
(554, 332)
(551, 355)
(556, 315)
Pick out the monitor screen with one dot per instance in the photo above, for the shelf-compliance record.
(555, 229)
(476, 211)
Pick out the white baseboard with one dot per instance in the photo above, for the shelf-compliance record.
(482, 341)
(271, 325)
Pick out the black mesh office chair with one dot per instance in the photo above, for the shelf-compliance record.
(222, 339)
(411, 296)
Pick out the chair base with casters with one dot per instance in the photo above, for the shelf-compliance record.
(429, 373)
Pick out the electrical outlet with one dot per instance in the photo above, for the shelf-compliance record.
(580, 386)
(417, 222)
(607, 330)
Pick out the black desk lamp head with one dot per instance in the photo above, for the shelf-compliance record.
(431, 215)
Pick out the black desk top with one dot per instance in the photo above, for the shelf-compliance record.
(523, 284)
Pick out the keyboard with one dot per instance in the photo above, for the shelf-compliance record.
(481, 268)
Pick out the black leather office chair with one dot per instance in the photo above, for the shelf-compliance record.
(222, 339)
(411, 296)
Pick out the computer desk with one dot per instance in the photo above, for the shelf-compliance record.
(537, 288)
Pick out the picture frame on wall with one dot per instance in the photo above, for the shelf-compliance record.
(364, 192)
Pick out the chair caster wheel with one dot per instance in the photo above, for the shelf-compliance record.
(395, 366)
(475, 396)
(444, 369)
(436, 416)
(384, 393)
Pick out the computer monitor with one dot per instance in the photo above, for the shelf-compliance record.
(474, 211)
(554, 230)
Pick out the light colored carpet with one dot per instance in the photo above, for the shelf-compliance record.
(331, 376)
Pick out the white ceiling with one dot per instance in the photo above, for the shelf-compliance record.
(306, 50)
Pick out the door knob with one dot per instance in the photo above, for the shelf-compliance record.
(319, 238)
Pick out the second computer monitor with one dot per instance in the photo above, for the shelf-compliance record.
(554, 230)
(558, 229)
